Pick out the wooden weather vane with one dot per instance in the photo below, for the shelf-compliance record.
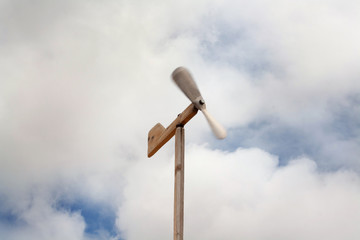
(158, 136)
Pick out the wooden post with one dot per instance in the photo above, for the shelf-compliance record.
(157, 137)
(179, 183)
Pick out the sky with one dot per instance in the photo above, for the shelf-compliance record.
(82, 83)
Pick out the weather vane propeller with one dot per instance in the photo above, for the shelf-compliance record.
(158, 136)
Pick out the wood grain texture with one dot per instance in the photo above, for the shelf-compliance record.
(158, 135)
(179, 183)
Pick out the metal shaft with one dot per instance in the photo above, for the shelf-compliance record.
(179, 183)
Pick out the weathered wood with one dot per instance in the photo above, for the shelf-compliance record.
(158, 135)
(179, 184)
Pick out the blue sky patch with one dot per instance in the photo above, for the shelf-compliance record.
(99, 218)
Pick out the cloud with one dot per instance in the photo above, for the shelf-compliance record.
(289, 66)
(38, 220)
(83, 82)
(242, 194)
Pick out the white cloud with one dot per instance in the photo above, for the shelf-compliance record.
(38, 220)
(310, 49)
(82, 83)
(242, 194)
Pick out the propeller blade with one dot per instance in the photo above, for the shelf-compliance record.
(186, 83)
(216, 127)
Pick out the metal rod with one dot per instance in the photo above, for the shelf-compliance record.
(179, 183)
